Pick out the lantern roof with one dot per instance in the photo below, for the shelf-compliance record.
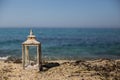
(31, 39)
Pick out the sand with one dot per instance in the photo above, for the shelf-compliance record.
(101, 69)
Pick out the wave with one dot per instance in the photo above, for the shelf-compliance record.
(4, 58)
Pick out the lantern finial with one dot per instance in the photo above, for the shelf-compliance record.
(31, 33)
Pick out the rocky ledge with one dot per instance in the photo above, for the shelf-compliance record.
(101, 69)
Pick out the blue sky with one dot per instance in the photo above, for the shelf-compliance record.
(59, 13)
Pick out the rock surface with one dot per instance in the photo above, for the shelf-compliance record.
(102, 69)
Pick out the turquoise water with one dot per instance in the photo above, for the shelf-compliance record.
(64, 43)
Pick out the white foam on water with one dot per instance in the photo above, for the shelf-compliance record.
(4, 58)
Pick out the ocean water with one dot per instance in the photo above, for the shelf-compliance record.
(63, 43)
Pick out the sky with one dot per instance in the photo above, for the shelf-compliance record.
(60, 13)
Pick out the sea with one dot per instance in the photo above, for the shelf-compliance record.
(63, 43)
